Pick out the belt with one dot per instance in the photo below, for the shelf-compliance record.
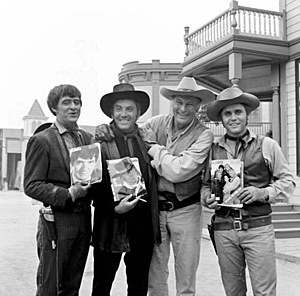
(172, 203)
(234, 213)
(244, 224)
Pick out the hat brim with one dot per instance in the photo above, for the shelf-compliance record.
(214, 108)
(107, 101)
(204, 95)
(42, 127)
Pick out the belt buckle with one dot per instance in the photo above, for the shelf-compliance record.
(237, 225)
(168, 205)
(239, 212)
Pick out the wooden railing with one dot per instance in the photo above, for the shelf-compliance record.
(259, 128)
(237, 20)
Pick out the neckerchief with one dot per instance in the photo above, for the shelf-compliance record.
(134, 134)
(238, 141)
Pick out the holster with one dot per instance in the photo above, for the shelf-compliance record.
(211, 231)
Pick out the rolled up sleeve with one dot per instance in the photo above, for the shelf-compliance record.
(187, 164)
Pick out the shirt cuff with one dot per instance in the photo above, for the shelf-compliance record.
(272, 194)
(153, 150)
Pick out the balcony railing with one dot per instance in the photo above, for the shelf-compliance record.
(259, 128)
(237, 20)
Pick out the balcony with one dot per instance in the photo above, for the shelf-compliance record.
(258, 36)
(235, 21)
(244, 47)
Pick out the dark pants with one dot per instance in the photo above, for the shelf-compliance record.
(60, 270)
(137, 263)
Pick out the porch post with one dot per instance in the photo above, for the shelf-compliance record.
(275, 103)
(235, 68)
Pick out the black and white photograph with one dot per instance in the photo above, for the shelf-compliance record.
(204, 94)
(227, 181)
(126, 178)
(85, 164)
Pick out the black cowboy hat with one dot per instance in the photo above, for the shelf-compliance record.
(124, 91)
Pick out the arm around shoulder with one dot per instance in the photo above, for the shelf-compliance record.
(182, 167)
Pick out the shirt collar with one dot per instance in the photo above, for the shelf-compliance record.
(61, 129)
(171, 125)
(249, 138)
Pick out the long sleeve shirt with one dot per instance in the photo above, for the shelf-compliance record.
(178, 159)
(282, 184)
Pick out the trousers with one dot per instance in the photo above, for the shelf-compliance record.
(181, 229)
(254, 247)
(60, 270)
(137, 263)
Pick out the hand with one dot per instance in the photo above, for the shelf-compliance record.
(104, 133)
(77, 191)
(250, 194)
(210, 201)
(148, 136)
(125, 205)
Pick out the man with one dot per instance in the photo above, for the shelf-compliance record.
(179, 145)
(127, 226)
(246, 235)
(131, 184)
(83, 165)
(231, 185)
(47, 179)
(217, 185)
(126, 179)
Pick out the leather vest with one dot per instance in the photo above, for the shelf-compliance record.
(187, 188)
(256, 173)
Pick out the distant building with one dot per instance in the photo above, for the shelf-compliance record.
(259, 51)
(151, 77)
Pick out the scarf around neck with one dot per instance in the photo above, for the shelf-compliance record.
(133, 137)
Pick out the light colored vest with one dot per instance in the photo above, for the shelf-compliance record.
(185, 189)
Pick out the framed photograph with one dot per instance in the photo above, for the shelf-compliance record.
(85, 164)
(126, 178)
(227, 180)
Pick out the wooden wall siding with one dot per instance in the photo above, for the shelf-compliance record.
(293, 141)
(293, 19)
(295, 34)
(290, 114)
(290, 79)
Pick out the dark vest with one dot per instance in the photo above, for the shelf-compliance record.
(256, 173)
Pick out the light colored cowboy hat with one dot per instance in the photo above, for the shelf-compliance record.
(124, 91)
(189, 87)
(230, 96)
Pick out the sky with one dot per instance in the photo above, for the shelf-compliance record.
(86, 43)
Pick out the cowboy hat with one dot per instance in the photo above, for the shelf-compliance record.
(189, 87)
(230, 96)
(42, 127)
(124, 91)
(122, 167)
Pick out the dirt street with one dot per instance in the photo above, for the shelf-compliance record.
(18, 259)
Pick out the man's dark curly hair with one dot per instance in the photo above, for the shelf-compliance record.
(60, 91)
(85, 154)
